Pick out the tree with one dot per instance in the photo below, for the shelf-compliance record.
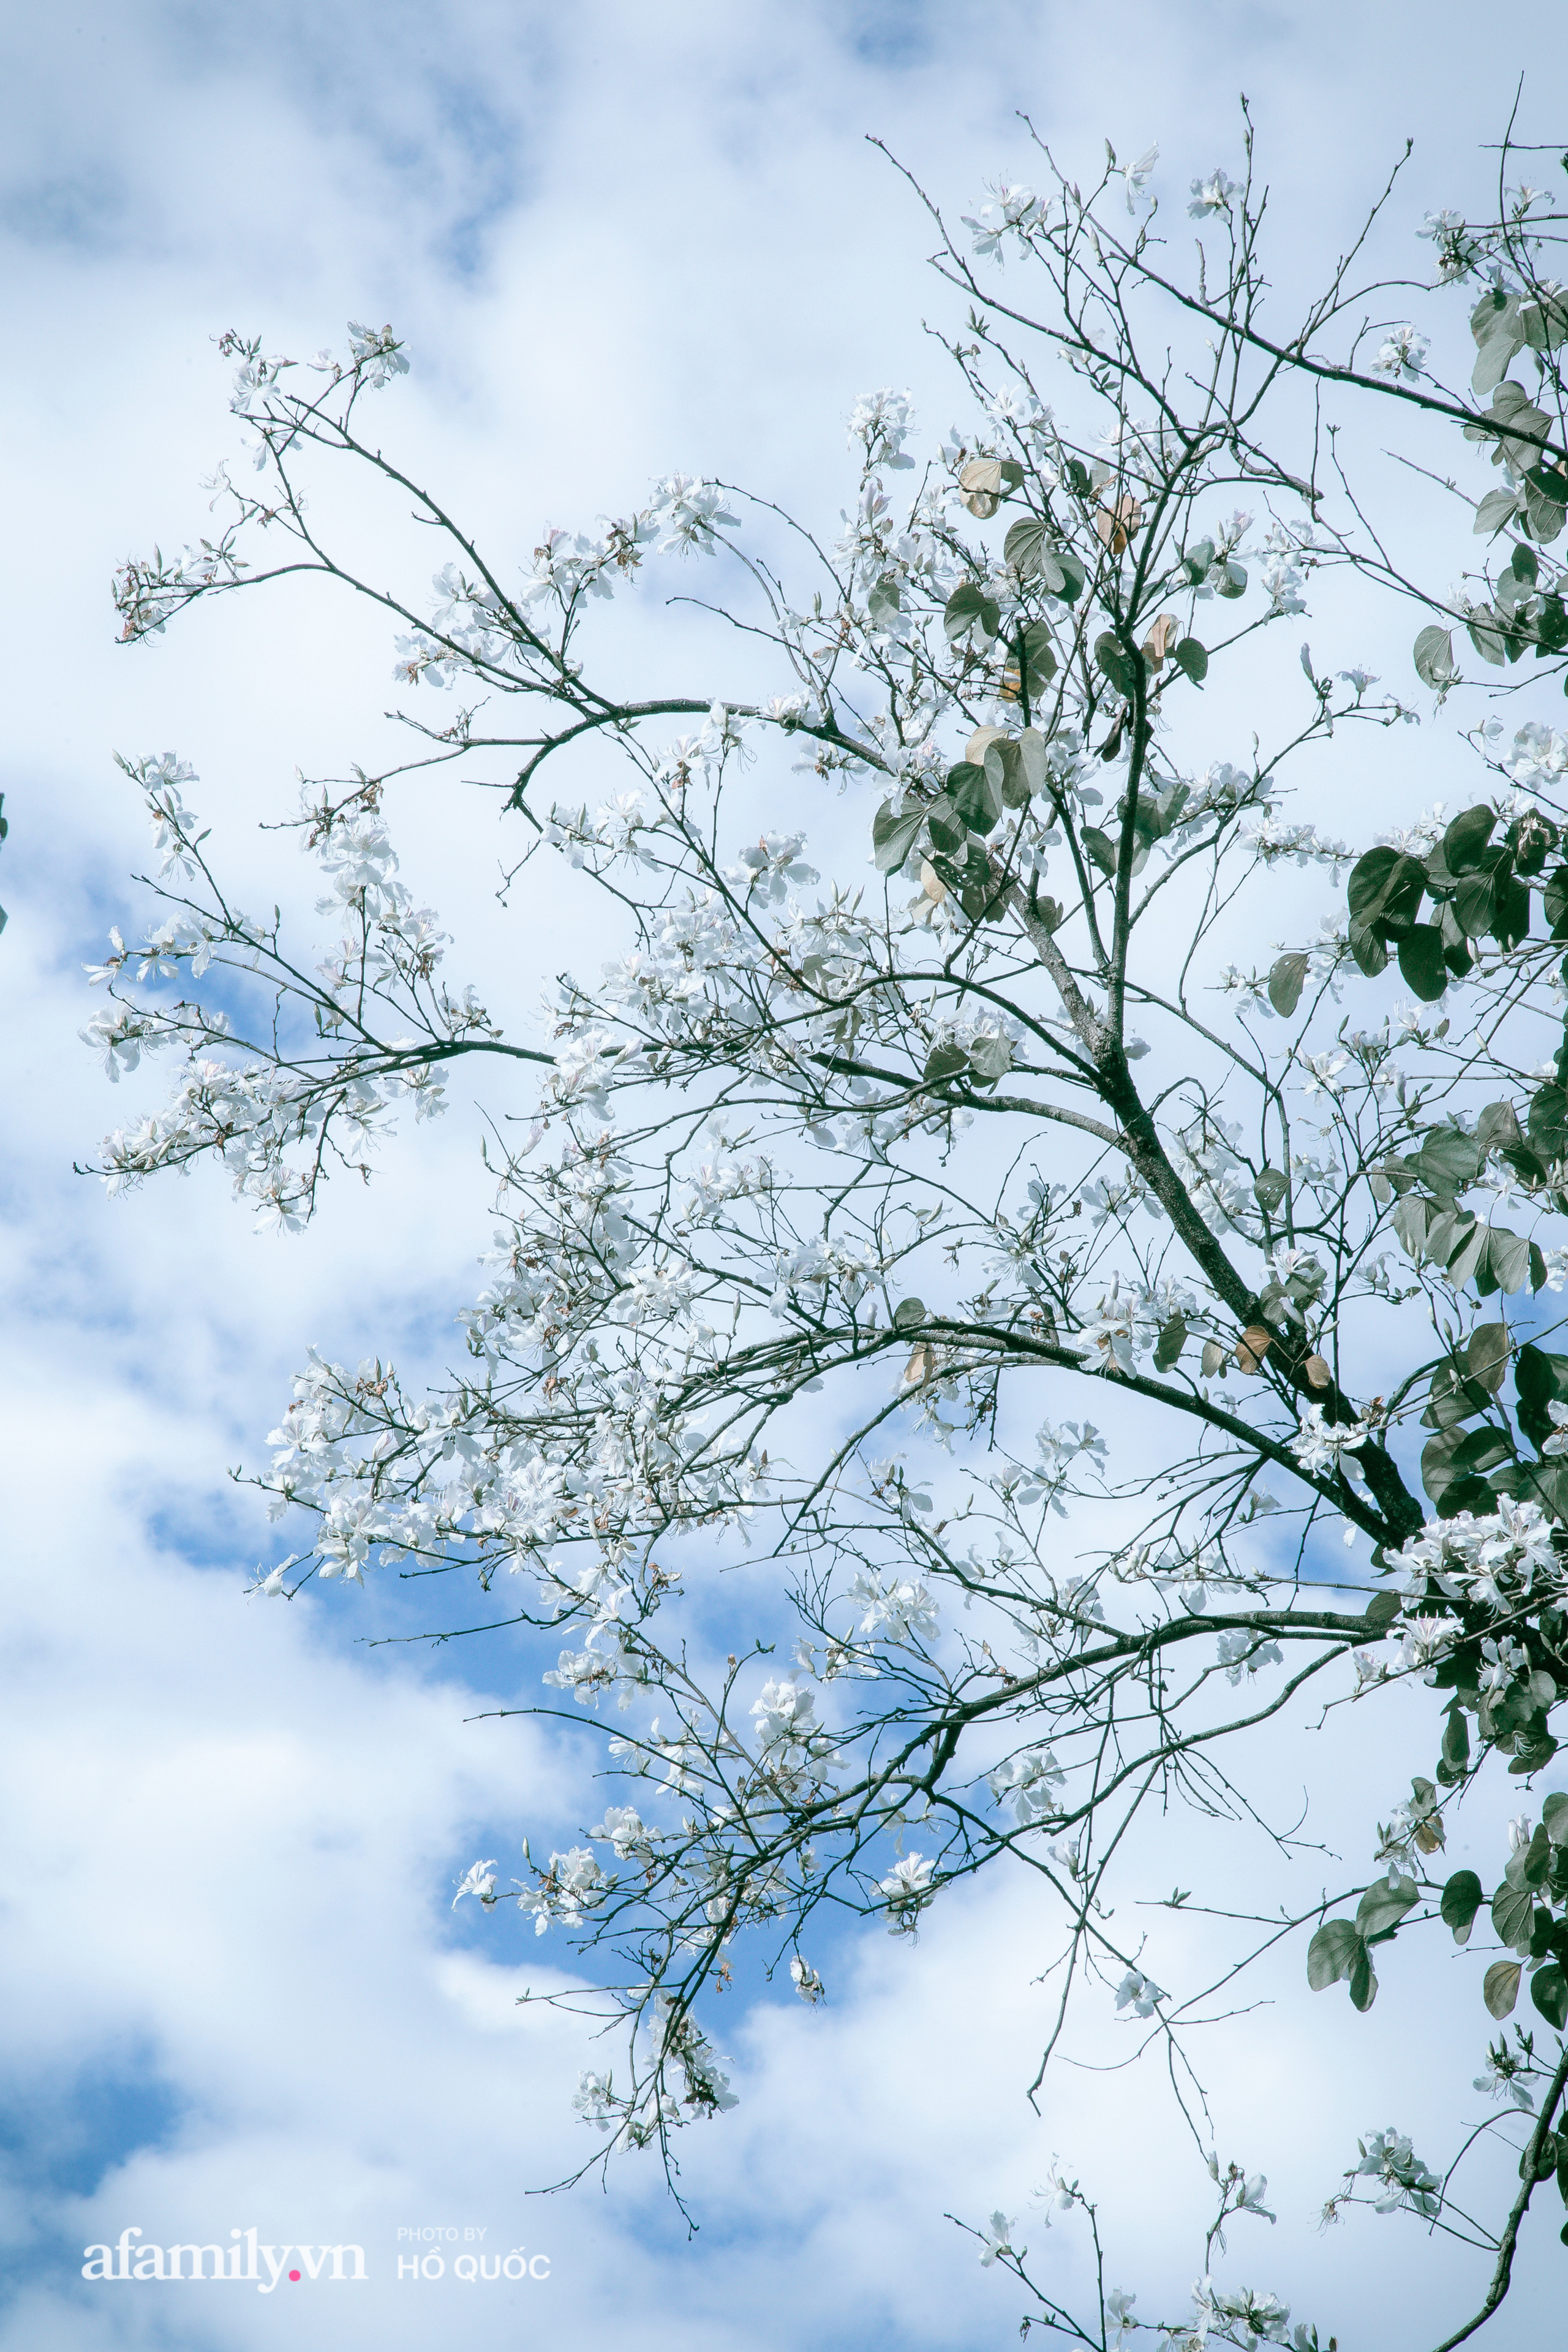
(836, 1187)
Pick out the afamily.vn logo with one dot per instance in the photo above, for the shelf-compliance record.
(247, 2263)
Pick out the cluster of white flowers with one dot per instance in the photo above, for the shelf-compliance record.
(879, 426)
(689, 514)
(252, 1110)
(1496, 1560)
(1242, 1652)
(896, 1609)
(908, 1890)
(1274, 838)
(1406, 2182)
(1237, 2316)
(1013, 212)
(570, 1887)
(1032, 1779)
(1319, 1445)
(1538, 759)
(1403, 354)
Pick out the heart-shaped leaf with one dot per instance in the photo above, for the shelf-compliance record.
(1499, 1987)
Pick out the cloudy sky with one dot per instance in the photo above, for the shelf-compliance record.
(618, 240)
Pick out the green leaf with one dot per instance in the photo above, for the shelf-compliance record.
(1034, 765)
(1022, 546)
(943, 1061)
(1555, 902)
(1383, 1907)
(1508, 1259)
(1555, 1816)
(1363, 1982)
(968, 609)
(1035, 655)
(1456, 1756)
(948, 833)
(1475, 904)
(1411, 1217)
(977, 795)
(1453, 1399)
(1495, 510)
(908, 1313)
(1118, 666)
(893, 836)
(1172, 1341)
(1421, 961)
(1437, 1472)
(1100, 847)
(1486, 636)
(1269, 1188)
(884, 603)
(1435, 664)
(1548, 1122)
(1465, 1258)
(1462, 1898)
(1198, 562)
(1466, 839)
(1539, 1379)
(1368, 950)
(1191, 659)
(991, 1058)
(1527, 1865)
(1448, 1162)
(1503, 341)
(1386, 886)
(1488, 1353)
(1513, 1915)
(1073, 575)
(1499, 1987)
(1549, 1992)
(1511, 924)
(1286, 977)
(1481, 1449)
(1332, 1954)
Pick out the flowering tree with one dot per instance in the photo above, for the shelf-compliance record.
(886, 1226)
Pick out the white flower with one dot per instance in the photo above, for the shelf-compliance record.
(996, 2239)
(1253, 2192)
(1031, 1779)
(1319, 1444)
(908, 1889)
(595, 2100)
(784, 1714)
(480, 1881)
(1242, 1652)
(1211, 196)
(806, 1981)
(1139, 1992)
(879, 423)
(1388, 2156)
(1014, 212)
(1324, 1072)
(377, 355)
(1401, 354)
(1135, 175)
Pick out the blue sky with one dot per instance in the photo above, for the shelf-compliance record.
(620, 240)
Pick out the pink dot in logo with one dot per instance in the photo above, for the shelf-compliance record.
(294, 2276)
